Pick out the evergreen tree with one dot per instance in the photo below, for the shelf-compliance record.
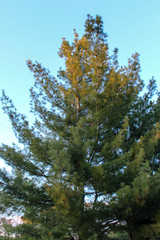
(90, 162)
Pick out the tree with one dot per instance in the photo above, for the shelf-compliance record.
(90, 162)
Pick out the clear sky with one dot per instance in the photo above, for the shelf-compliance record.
(33, 29)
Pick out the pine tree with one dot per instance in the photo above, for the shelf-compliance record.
(90, 162)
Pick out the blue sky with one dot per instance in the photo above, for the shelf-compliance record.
(33, 29)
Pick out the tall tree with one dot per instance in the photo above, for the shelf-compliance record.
(90, 162)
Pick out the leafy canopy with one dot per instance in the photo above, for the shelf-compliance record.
(90, 162)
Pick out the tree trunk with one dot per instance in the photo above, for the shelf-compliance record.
(131, 231)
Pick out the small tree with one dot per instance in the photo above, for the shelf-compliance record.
(90, 162)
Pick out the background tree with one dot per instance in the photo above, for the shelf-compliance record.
(90, 162)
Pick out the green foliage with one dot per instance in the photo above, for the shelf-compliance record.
(90, 162)
(118, 236)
